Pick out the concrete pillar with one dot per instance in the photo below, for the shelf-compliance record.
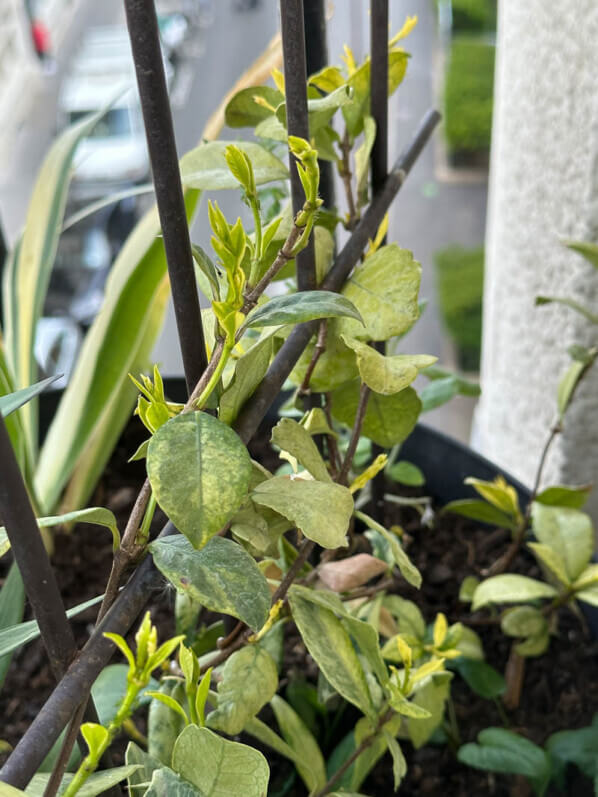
(543, 188)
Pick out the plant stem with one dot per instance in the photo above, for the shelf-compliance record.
(319, 350)
(364, 395)
(285, 253)
(144, 530)
(344, 168)
(304, 551)
(257, 222)
(215, 376)
(367, 742)
(505, 561)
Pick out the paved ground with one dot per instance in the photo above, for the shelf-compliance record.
(427, 215)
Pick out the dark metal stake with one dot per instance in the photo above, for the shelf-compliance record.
(159, 131)
(295, 77)
(316, 58)
(35, 568)
(46, 727)
(379, 163)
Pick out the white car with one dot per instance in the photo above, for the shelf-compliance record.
(102, 76)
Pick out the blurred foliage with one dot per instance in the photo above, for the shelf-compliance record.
(460, 280)
(474, 15)
(468, 96)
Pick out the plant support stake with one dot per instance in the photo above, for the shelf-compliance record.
(47, 726)
(379, 163)
(159, 131)
(295, 77)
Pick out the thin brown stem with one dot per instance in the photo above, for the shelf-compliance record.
(367, 592)
(319, 350)
(225, 642)
(367, 742)
(285, 253)
(304, 551)
(68, 743)
(364, 396)
(345, 173)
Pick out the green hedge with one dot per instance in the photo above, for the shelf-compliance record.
(460, 281)
(474, 15)
(468, 97)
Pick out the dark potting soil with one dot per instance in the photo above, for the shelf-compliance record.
(560, 689)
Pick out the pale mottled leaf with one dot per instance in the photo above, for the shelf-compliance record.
(249, 681)
(568, 532)
(510, 588)
(218, 767)
(222, 577)
(293, 438)
(388, 419)
(321, 510)
(249, 372)
(330, 645)
(166, 783)
(309, 760)
(387, 374)
(199, 472)
(384, 289)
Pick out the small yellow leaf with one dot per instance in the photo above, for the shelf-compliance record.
(404, 651)
(440, 629)
(377, 465)
(278, 79)
(408, 26)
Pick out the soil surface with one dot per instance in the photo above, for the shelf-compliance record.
(560, 689)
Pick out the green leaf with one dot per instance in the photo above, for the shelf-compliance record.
(481, 678)
(551, 560)
(432, 698)
(533, 645)
(12, 401)
(362, 160)
(579, 747)
(166, 783)
(406, 473)
(222, 576)
(388, 419)
(28, 275)
(571, 303)
(309, 760)
(438, 392)
(567, 385)
(510, 588)
(588, 577)
(568, 532)
(218, 767)
(110, 687)
(293, 438)
(208, 271)
(336, 366)
(498, 493)
(164, 723)
(320, 109)
(249, 372)
(407, 615)
(384, 289)
(263, 733)
(330, 645)
(249, 681)
(387, 375)
(479, 510)
(588, 249)
(134, 755)
(399, 765)
(321, 510)
(13, 636)
(499, 750)
(559, 495)
(295, 308)
(523, 621)
(408, 570)
(97, 783)
(243, 111)
(95, 736)
(199, 472)
(97, 515)
(205, 166)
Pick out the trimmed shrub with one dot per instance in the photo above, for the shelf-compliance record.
(468, 97)
(460, 281)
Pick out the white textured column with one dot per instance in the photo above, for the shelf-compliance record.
(543, 188)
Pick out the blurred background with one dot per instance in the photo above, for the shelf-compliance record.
(61, 59)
